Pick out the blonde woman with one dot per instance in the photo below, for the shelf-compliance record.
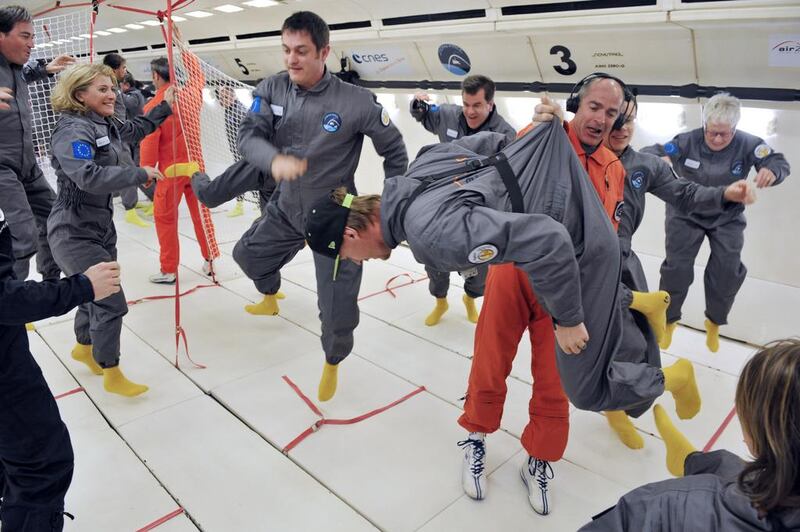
(92, 163)
(720, 491)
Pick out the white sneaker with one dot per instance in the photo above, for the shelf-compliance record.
(163, 278)
(472, 477)
(207, 268)
(536, 474)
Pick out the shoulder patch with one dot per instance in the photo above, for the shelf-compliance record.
(618, 210)
(671, 148)
(637, 179)
(482, 253)
(762, 150)
(81, 150)
(331, 122)
(255, 107)
(737, 168)
(385, 120)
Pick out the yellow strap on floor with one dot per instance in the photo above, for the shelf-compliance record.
(182, 169)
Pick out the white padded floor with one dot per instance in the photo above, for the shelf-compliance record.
(209, 440)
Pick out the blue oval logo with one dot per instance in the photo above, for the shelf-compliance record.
(670, 148)
(331, 122)
(637, 179)
(454, 59)
(738, 168)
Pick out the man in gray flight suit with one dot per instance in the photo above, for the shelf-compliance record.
(714, 155)
(450, 122)
(531, 204)
(306, 128)
(25, 196)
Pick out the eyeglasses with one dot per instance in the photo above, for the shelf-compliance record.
(723, 135)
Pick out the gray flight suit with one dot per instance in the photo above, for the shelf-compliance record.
(25, 196)
(707, 499)
(448, 122)
(692, 159)
(92, 162)
(326, 125)
(128, 131)
(237, 179)
(563, 240)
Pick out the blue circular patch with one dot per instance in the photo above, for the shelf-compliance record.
(454, 59)
(331, 122)
(637, 179)
(738, 168)
(670, 148)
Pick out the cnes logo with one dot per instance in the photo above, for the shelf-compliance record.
(370, 58)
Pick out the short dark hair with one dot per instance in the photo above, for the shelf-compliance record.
(113, 60)
(11, 15)
(312, 24)
(129, 79)
(472, 84)
(160, 66)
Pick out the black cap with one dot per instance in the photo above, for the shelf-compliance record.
(325, 226)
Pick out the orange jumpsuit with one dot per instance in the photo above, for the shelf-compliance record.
(509, 306)
(169, 149)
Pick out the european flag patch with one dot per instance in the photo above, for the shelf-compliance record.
(255, 107)
(81, 150)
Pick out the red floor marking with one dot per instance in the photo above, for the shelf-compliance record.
(71, 392)
(720, 430)
(162, 520)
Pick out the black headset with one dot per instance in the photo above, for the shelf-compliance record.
(574, 101)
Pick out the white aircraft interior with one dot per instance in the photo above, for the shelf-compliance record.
(203, 450)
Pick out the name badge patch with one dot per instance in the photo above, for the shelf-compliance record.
(452, 133)
(277, 110)
(102, 141)
(691, 163)
(482, 253)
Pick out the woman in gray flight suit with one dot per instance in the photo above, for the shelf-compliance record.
(91, 163)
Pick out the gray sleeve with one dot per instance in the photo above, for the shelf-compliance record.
(687, 196)
(626, 221)
(385, 137)
(255, 131)
(542, 248)
(774, 161)
(34, 71)
(90, 177)
(722, 463)
(132, 131)
(429, 119)
(237, 179)
(660, 150)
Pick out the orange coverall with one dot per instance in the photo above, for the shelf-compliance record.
(170, 150)
(509, 307)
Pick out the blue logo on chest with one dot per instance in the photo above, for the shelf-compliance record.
(637, 179)
(331, 122)
(738, 168)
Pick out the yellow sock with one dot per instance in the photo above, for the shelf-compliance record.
(680, 382)
(666, 341)
(132, 217)
(238, 210)
(622, 425)
(472, 312)
(115, 382)
(30, 327)
(267, 307)
(712, 336)
(83, 353)
(437, 312)
(146, 208)
(654, 307)
(280, 295)
(678, 447)
(327, 384)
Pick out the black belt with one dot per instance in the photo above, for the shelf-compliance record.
(498, 160)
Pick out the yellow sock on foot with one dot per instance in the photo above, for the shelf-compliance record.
(327, 384)
(654, 307)
(680, 382)
(678, 447)
(437, 312)
(30, 327)
(238, 210)
(146, 208)
(83, 353)
(280, 295)
(666, 341)
(267, 307)
(712, 336)
(115, 382)
(622, 425)
(472, 312)
(132, 217)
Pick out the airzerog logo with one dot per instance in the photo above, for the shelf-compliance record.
(370, 58)
(787, 47)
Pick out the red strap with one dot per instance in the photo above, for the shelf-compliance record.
(319, 423)
(389, 289)
(156, 298)
(71, 392)
(133, 9)
(162, 520)
(720, 430)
